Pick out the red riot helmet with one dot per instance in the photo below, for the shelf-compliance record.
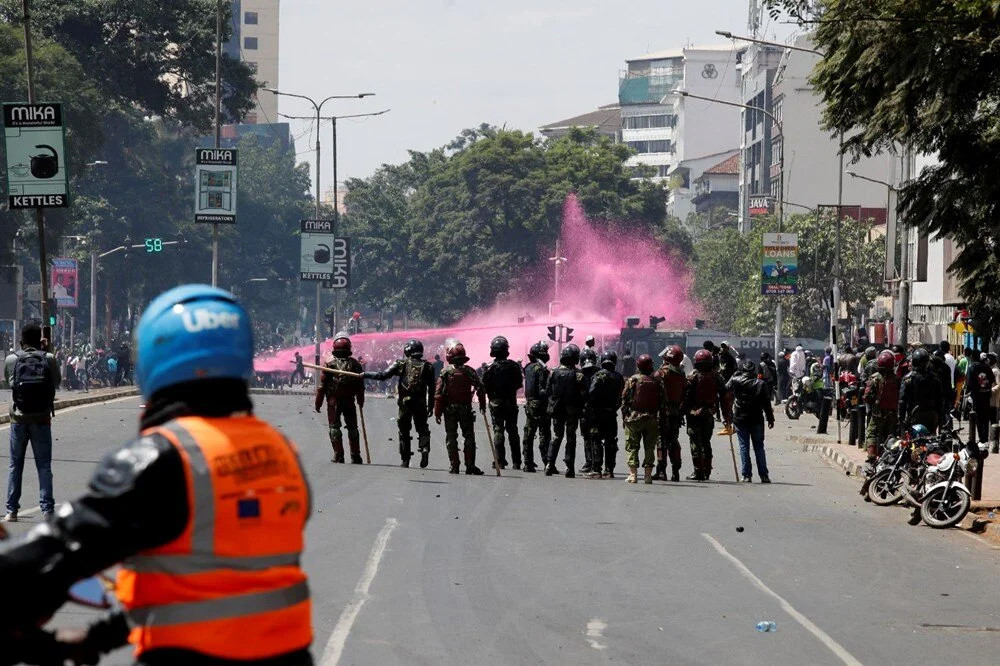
(703, 359)
(456, 354)
(886, 360)
(644, 364)
(673, 355)
(341, 345)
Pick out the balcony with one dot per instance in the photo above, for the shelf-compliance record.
(645, 89)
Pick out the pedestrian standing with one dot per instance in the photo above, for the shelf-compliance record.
(949, 359)
(453, 402)
(727, 362)
(438, 366)
(299, 372)
(536, 399)
(920, 395)
(979, 383)
(784, 376)
(604, 399)
(643, 404)
(33, 377)
(991, 359)
(565, 404)
(502, 380)
(797, 363)
(961, 368)
(769, 373)
(588, 368)
(751, 408)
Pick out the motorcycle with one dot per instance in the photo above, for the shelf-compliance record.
(940, 493)
(885, 482)
(807, 401)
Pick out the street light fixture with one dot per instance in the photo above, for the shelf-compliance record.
(764, 42)
(781, 184)
(318, 323)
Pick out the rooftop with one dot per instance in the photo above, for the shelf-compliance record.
(729, 166)
(679, 52)
(607, 119)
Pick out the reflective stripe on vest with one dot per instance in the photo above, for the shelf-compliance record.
(223, 608)
(193, 564)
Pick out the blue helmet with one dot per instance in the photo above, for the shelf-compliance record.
(192, 332)
(918, 430)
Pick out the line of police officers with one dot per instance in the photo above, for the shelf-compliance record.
(584, 394)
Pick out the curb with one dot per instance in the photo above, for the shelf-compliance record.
(84, 400)
(839, 458)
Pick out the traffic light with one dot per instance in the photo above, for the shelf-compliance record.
(552, 333)
(154, 245)
(569, 334)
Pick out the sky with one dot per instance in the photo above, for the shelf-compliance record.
(445, 65)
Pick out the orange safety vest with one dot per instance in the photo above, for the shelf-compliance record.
(230, 585)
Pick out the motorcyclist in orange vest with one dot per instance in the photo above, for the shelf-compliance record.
(204, 512)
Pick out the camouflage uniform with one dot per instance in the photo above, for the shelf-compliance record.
(415, 399)
(882, 399)
(341, 392)
(502, 380)
(704, 395)
(565, 391)
(643, 404)
(453, 401)
(536, 417)
(673, 380)
(604, 399)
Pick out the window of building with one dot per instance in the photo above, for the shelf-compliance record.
(659, 146)
(250, 43)
(776, 149)
(250, 18)
(646, 122)
(663, 170)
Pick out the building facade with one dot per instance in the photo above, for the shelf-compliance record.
(255, 42)
(607, 120)
(663, 129)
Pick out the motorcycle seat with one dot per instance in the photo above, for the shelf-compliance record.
(934, 458)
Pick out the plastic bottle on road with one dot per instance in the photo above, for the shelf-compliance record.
(766, 626)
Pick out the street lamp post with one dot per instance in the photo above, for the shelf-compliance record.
(781, 186)
(319, 286)
(902, 300)
(336, 197)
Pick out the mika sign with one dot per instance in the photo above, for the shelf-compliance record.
(215, 180)
(34, 140)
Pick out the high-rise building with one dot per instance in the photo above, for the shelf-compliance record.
(255, 42)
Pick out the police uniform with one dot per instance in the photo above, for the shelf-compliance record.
(415, 400)
(604, 399)
(453, 402)
(882, 399)
(673, 380)
(341, 392)
(536, 417)
(502, 380)
(643, 405)
(704, 395)
(565, 391)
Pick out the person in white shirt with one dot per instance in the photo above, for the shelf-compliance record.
(797, 365)
(949, 360)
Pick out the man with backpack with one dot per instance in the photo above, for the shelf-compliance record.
(415, 398)
(33, 377)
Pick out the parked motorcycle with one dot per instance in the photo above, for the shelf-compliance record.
(808, 401)
(849, 406)
(939, 491)
(885, 482)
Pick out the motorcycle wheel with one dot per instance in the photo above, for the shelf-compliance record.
(940, 511)
(793, 409)
(887, 487)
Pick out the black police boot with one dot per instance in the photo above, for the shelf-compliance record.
(453, 458)
(356, 459)
(338, 457)
(675, 474)
(661, 471)
(473, 470)
(423, 457)
(550, 470)
(405, 462)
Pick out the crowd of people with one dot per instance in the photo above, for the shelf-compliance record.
(584, 394)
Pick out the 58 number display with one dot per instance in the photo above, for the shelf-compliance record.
(154, 245)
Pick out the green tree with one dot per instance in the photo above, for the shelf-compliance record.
(924, 74)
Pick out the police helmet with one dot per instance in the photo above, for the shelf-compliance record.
(570, 354)
(920, 358)
(539, 351)
(644, 364)
(413, 349)
(499, 347)
(609, 360)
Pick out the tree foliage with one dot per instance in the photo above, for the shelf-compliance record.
(925, 74)
(728, 275)
(458, 227)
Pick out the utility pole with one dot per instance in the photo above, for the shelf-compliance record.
(557, 261)
(43, 264)
(218, 129)
(903, 323)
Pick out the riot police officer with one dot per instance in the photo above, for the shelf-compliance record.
(414, 397)
(453, 402)
(565, 404)
(921, 399)
(704, 395)
(882, 400)
(588, 368)
(536, 397)
(341, 392)
(502, 380)
(671, 375)
(604, 399)
(643, 404)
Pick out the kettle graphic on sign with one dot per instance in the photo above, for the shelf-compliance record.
(45, 166)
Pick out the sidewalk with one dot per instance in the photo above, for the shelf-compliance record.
(66, 399)
(852, 459)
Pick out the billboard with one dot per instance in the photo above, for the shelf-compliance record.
(64, 282)
(215, 183)
(780, 264)
(36, 156)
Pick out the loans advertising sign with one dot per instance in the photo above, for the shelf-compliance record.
(780, 264)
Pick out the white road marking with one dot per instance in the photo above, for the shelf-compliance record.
(595, 630)
(338, 638)
(806, 623)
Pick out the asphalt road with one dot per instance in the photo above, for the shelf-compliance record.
(422, 567)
